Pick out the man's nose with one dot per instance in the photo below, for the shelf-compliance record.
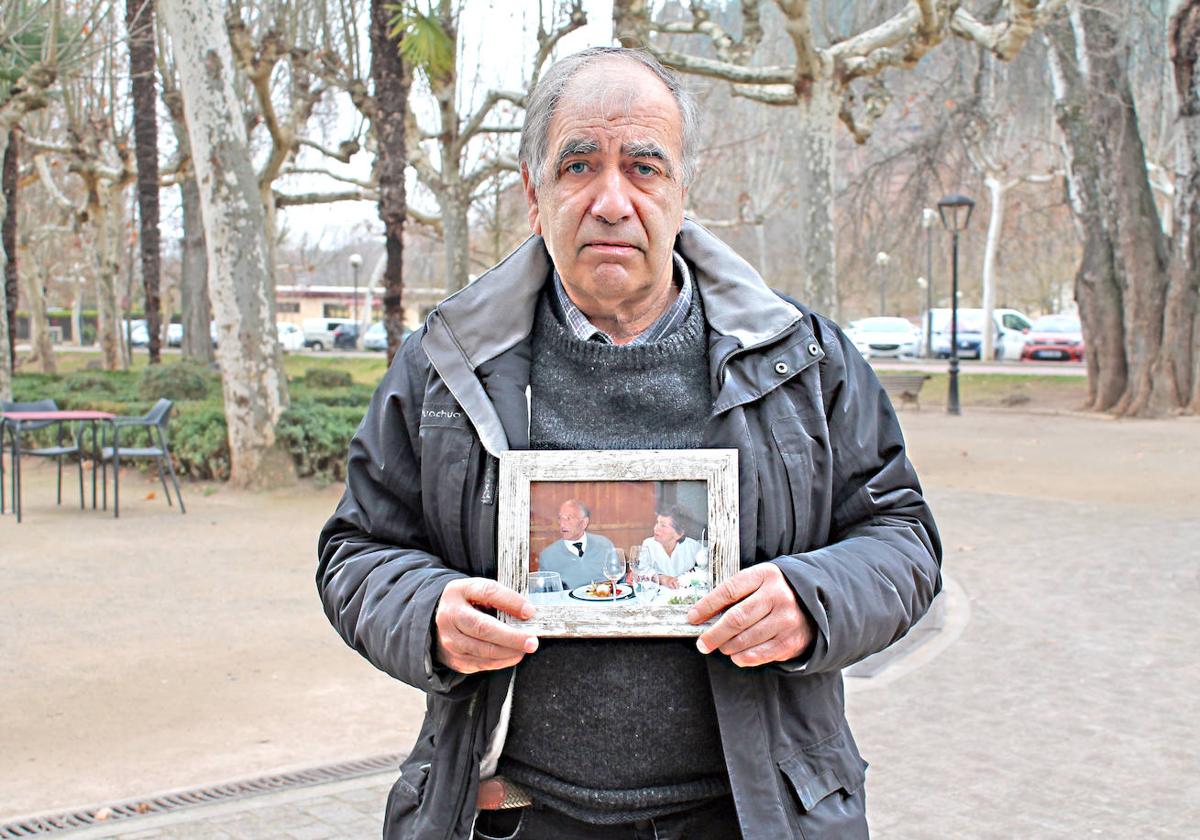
(611, 203)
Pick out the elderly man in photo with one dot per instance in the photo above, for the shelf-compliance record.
(579, 556)
(619, 324)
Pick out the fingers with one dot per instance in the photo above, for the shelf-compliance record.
(731, 591)
(470, 640)
(488, 593)
(741, 618)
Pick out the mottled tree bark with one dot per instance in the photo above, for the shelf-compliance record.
(139, 19)
(391, 81)
(238, 254)
(816, 120)
(193, 276)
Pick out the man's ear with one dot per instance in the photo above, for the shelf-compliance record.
(535, 220)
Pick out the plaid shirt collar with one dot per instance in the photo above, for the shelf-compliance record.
(667, 323)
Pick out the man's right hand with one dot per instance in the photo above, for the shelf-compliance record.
(468, 639)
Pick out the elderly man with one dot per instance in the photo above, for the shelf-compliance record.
(618, 324)
(579, 556)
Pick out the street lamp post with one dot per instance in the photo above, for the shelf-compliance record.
(355, 265)
(955, 211)
(881, 260)
(928, 217)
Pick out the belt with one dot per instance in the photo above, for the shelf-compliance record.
(499, 794)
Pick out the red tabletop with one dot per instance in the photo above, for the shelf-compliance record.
(23, 416)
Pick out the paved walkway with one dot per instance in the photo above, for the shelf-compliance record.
(1066, 706)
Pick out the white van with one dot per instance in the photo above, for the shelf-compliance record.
(318, 332)
(1008, 332)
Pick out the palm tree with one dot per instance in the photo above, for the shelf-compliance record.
(139, 19)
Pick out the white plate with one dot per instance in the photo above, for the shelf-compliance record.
(580, 593)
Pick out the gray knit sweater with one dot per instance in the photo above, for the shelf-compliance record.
(611, 731)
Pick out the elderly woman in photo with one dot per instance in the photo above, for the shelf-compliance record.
(670, 552)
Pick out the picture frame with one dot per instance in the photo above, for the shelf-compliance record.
(537, 485)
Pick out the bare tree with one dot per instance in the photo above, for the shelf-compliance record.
(239, 263)
(139, 19)
(817, 84)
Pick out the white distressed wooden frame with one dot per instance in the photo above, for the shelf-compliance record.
(716, 467)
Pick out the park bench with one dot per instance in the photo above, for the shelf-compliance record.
(903, 388)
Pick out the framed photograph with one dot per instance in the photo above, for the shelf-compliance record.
(616, 542)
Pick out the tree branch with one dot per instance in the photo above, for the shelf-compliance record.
(47, 180)
(778, 95)
(494, 97)
(345, 179)
(547, 41)
(490, 167)
(1005, 37)
(297, 199)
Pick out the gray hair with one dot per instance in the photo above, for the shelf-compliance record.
(544, 99)
(584, 511)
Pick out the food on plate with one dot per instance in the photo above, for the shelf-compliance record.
(686, 598)
(600, 590)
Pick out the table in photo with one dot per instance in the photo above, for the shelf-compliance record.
(14, 423)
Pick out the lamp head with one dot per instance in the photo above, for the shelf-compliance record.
(355, 260)
(955, 211)
(928, 217)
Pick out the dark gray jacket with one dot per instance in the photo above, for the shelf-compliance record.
(826, 492)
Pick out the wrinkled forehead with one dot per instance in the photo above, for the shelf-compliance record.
(616, 94)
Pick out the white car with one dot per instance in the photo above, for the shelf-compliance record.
(886, 337)
(291, 337)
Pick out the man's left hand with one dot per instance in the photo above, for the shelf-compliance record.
(763, 622)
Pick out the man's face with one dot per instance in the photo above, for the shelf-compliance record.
(612, 195)
(571, 522)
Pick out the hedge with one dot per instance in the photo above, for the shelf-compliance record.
(316, 429)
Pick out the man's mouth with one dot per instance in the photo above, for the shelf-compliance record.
(612, 246)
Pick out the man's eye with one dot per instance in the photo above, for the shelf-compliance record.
(644, 169)
(577, 168)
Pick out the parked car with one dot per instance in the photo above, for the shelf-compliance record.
(345, 337)
(174, 335)
(1008, 332)
(1056, 337)
(318, 332)
(291, 337)
(135, 331)
(375, 338)
(884, 337)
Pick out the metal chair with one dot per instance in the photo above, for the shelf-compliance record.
(155, 424)
(61, 449)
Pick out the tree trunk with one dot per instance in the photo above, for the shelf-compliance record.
(77, 315)
(6, 361)
(42, 354)
(816, 121)
(9, 236)
(106, 223)
(238, 254)
(998, 193)
(456, 236)
(391, 81)
(1182, 340)
(193, 276)
(139, 19)
(1099, 279)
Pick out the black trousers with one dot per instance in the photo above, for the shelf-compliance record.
(715, 819)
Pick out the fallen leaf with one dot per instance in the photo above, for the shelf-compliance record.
(964, 453)
(151, 496)
(966, 548)
(143, 807)
(102, 814)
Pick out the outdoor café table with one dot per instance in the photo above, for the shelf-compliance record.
(14, 420)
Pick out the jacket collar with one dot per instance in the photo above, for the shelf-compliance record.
(496, 313)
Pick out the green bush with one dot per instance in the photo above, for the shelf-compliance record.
(200, 440)
(318, 436)
(323, 377)
(185, 380)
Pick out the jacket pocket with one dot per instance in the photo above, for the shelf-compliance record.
(406, 792)
(799, 444)
(820, 770)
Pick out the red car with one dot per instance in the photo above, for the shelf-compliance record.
(1054, 338)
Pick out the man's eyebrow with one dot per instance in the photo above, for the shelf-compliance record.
(647, 149)
(576, 146)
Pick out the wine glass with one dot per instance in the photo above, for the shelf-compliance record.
(544, 587)
(635, 563)
(614, 569)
